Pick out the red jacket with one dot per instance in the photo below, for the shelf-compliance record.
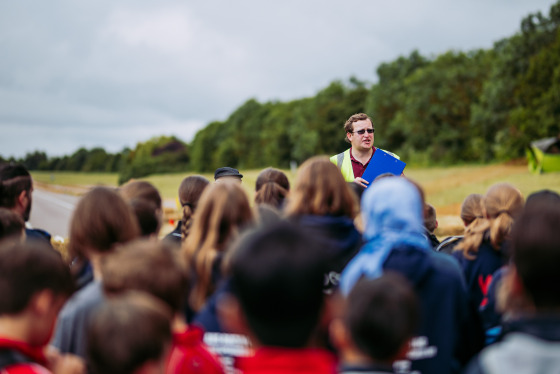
(273, 360)
(190, 355)
(33, 358)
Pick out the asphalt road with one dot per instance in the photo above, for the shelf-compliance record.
(52, 211)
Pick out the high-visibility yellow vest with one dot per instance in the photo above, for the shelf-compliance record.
(343, 162)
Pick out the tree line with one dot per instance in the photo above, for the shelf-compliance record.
(475, 106)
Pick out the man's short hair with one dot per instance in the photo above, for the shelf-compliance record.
(127, 332)
(132, 267)
(28, 268)
(14, 178)
(277, 276)
(11, 224)
(536, 254)
(430, 219)
(381, 315)
(349, 124)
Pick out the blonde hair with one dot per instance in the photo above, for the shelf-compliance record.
(321, 190)
(500, 206)
(222, 210)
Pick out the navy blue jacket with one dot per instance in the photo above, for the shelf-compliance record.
(479, 271)
(341, 242)
(450, 332)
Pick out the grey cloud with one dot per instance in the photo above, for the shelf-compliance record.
(113, 73)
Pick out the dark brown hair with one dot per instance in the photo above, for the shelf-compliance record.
(536, 254)
(272, 187)
(141, 190)
(11, 224)
(190, 190)
(134, 266)
(381, 315)
(13, 179)
(126, 332)
(27, 268)
(101, 220)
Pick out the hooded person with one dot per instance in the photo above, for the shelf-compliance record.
(448, 333)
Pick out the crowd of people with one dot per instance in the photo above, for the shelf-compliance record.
(321, 276)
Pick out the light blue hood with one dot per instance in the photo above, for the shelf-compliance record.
(393, 214)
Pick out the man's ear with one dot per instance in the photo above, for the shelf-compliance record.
(22, 200)
(437, 224)
(349, 136)
(231, 315)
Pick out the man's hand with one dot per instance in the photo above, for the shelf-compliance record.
(362, 182)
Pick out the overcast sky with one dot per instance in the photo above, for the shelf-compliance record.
(112, 73)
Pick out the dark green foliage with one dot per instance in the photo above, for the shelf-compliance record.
(158, 155)
(475, 106)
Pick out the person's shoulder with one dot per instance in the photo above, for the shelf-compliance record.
(446, 267)
(334, 158)
(83, 300)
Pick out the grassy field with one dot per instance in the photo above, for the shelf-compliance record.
(445, 187)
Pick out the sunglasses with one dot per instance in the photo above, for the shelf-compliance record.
(362, 132)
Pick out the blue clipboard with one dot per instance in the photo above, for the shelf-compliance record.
(381, 163)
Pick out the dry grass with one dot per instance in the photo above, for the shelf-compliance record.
(445, 187)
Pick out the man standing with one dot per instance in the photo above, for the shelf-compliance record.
(354, 161)
(16, 187)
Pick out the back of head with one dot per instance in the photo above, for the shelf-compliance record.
(141, 190)
(272, 187)
(100, 220)
(222, 211)
(382, 315)
(320, 189)
(14, 178)
(190, 190)
(392, 205)
(277, 276)
(27, 268)
(223, 208)
(471, 209)
(11, 225)
(430, 219)
(147, 215)
(145, 201)
(536, 254)
(542, 196)
(502, 204)
(128, 332)
(133, 266)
